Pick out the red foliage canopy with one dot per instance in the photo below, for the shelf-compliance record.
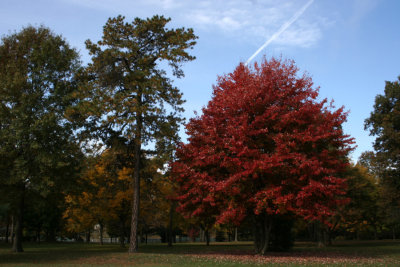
(264, 144)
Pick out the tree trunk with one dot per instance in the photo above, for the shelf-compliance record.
(236, 234)
(101, 233)
(7, 228)
(133, 246)
(262, 233)
(12, 229)
(257, 234)
(320, 236)
(17, 244)
(122, 235)
(202, 238)
(393, 233)
(171, 211)
(267, 225)
(207, 236)
(375, 232)
(328, 234)
(88, 236)
(38, 230)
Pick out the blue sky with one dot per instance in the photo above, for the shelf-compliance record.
(349, 47)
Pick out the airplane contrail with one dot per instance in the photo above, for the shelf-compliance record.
(281, 30)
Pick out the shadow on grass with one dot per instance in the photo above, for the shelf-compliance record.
(75, 253)
(46, 253)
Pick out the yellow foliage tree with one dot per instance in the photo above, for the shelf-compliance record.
(105, 196)
(106, 193)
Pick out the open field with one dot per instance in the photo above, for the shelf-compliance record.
(367, 253)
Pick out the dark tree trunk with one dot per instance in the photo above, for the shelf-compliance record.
(38, 231)
(262, 233)
(133, 246)
(171, 214)
(236, 234)
(88, 236)
(328, 237)
(257, 235)
(321, 236)
(375, 232)
(12, 231)
(17, 244)
(122, 235)
(258, 232)
(202, 238)
(311, 232)
(394, 233)
(267, 225)
(122, 241)
(7, 228)
(51, 235)
(101, 233)
(207, 236)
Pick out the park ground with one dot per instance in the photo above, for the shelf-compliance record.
(344, 253)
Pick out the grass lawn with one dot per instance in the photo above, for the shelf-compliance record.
(349, 253)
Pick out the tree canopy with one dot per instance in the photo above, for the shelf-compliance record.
(37, 79)
(128, 99)
(264, 147)
(384, 124)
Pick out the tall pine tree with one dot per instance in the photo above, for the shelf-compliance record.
(129, 100)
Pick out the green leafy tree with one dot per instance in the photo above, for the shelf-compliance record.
(43, 215)
(369, 160)
(384, 123)
(361, 216)
(129, 98)
(37, 151)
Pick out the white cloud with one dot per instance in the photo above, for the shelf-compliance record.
(225, 21)
(246, 20)
(255, 21)
(302, 34)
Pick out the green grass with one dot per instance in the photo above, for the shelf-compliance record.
(349, 253)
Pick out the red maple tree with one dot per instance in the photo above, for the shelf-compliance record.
(264, 146)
